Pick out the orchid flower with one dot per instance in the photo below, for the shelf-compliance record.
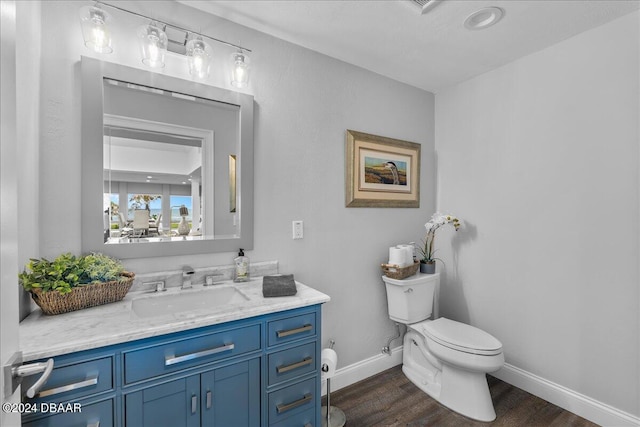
(437, 220)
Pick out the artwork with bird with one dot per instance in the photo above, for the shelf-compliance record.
(384, 171)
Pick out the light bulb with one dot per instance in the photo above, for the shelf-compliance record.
(199, 57)
(153, 43)
(240, 71)
(95, 30)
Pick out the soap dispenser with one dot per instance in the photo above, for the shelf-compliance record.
(242, 267)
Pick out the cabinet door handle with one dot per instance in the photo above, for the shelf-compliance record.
(286, 407)
(172, 359)
(96, 424)
(304, 362)
(69, 387)
(209, 399)
(194, 403)
(305, 328)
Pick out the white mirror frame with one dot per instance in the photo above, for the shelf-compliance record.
(93, 74)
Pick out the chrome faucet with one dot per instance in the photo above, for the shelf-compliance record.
(187, 272)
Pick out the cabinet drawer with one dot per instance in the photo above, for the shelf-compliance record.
(292, 400)
(291, 363)
(93, 415)
(180, 354)
(292, 328)
(305, 419)
(75, 381)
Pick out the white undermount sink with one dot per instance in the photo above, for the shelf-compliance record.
(188, 300)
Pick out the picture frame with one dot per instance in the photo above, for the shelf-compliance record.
(381, 172)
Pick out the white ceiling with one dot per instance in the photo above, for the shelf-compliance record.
(430, 51)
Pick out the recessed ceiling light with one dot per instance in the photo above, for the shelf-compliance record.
(483, 18)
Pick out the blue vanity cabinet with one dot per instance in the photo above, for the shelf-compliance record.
(174, 403)
(79, 392)
(227, 396)
(262, 371)
(99, 414)
(230, 396)
(293, 370)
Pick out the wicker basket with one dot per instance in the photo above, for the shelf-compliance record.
(86, 296)
(399, 273)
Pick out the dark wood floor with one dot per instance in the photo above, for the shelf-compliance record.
(390, 399)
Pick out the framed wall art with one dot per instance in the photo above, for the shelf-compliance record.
(381, 172)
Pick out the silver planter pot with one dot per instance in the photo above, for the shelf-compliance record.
(428, 267)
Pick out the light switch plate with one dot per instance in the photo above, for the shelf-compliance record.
(298, 230)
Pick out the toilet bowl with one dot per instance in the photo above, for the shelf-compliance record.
(446, 359)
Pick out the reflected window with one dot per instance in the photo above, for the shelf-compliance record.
(150, 202)
(114, 210)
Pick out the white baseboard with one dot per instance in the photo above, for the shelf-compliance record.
(363, 369)
(579, 404)
(584, 406)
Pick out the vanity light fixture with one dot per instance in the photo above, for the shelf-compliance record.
(95, 29)
(155, 43)
(199, 57)
(484, 18)
(240, 70)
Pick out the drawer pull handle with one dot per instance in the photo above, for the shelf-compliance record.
(96, 424)
(69, 387)
(282, 334)
(194, 404)
(172, 360)
(284, 408)
(306, 361)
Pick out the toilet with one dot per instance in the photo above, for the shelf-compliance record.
(446, 359)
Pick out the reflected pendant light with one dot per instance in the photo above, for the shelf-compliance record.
(240, 70)
(95, 31)
(153, 42)
(199, 57)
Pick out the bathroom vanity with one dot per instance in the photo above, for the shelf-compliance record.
(250, 361)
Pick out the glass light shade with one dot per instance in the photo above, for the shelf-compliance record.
(95, 30)
(199, 57)
(240, 70)
(153, 42)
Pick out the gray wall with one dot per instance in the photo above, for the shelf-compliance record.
(540, 158)
(304, 104)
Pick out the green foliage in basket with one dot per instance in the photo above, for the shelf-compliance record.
(68, 271)
(101, 268)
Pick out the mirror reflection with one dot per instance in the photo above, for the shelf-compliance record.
(168, 173)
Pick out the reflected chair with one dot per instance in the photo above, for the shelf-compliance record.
(124, 225)
(154, 226)
(141, 222)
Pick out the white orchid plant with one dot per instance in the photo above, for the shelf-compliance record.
(437, 220)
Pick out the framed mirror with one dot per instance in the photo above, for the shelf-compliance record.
(167, 164)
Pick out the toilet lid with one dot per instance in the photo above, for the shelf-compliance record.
(462, 337)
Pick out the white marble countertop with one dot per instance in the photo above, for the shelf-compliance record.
(44, 336)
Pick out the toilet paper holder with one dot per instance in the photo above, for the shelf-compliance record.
(332, 416)
(324, 367)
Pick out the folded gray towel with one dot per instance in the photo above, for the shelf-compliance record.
(278, 286)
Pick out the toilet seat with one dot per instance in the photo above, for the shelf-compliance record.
(460, 337)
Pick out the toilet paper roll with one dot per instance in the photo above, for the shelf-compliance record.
(397, 256)
(407, 252)
(329, 361)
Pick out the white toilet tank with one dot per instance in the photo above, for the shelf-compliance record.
(411, 300)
